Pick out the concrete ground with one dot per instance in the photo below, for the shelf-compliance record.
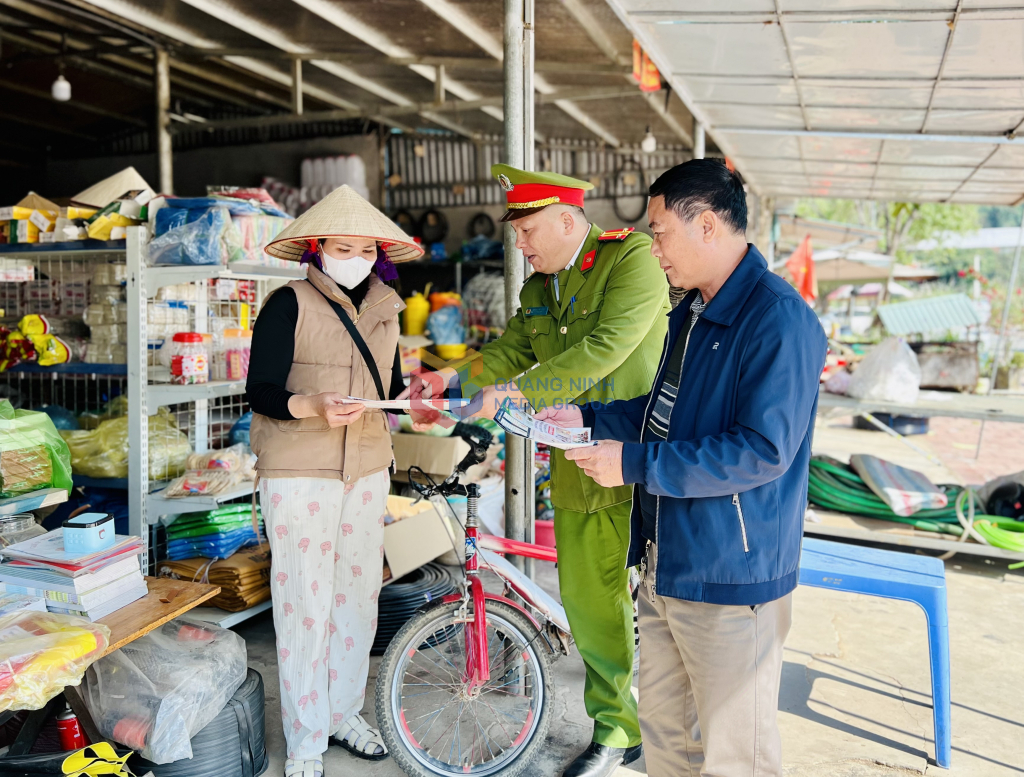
(855, 700)
(856, 693)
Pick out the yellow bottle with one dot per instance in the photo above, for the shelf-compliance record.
(414, 321)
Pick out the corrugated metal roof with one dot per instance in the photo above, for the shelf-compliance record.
(934, 314)
(904, 100)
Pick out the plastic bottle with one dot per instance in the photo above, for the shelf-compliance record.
(189, 358)
(415, 316)
(237, 347)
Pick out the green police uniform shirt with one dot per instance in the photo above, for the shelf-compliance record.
(600, 341)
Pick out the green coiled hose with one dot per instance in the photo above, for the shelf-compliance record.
(836, 486)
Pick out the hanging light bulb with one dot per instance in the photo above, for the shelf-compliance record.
(650, 143)
(61, 89)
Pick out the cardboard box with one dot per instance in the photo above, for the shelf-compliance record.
(414, 540)
(437, 456)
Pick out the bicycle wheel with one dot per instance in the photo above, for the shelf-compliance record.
(433, 726)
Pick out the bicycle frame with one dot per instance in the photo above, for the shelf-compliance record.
(488, 547)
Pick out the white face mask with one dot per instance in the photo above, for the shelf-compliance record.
(347, 273)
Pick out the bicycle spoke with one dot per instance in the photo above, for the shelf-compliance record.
(453, 731)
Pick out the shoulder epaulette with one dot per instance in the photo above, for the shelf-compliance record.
(616, 234)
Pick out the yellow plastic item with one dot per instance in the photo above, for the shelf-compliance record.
(100, 228)
(103, 452)
(41, 653)
(95, 760)
(417, 311)
(451, 352)
(80, 213)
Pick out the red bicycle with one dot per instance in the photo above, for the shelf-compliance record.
(465, 686)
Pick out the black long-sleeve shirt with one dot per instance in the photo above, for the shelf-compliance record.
(273, 349)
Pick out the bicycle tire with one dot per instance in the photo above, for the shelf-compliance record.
(399, 646)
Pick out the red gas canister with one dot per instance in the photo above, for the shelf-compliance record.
(71, 736)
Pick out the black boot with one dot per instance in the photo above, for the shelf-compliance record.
(601, 760)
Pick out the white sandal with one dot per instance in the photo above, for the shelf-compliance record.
(361, 739)
(295, 767)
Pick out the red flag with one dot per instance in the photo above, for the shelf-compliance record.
(801, 267)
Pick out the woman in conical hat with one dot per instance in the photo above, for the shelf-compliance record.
(323, 463)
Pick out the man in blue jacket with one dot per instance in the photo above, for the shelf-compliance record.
(718, 456)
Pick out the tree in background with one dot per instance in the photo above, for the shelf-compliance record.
(900, 222)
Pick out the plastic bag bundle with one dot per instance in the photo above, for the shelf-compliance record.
(217, 534)
(103, 451)
(890, 373)
(41, 652)
(32, 453)
(156, 693)
(210, 239)
(445, 326)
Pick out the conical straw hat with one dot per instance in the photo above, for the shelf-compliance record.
(343, 213)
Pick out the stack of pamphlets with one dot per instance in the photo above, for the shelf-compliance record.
(513, 419)
(89, 585)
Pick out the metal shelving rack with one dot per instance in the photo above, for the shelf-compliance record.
(145, 501)
(192, 402)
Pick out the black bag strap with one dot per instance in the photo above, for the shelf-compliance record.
(364, 349)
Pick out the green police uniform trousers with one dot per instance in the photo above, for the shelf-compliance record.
(594, 585)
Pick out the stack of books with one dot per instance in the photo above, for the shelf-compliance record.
(90, 585)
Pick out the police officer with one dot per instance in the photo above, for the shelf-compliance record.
(591, 325)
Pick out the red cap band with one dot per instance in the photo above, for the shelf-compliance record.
(524, 194)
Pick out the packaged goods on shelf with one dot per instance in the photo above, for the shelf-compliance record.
(227, 290)
(10, 299)
(32, 453)
(256, 232)
(189, 358)
(185, 292)
(32, 340)
(217, 534)
(210, 239)
(41, 296)
(105, 353)
(164, 319)
(105, 313)
(109, 334)
(243, 577)
(103, 451)
(101, 294)
(16, 271)
(109, 274)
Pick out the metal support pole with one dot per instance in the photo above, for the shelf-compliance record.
(439, 89)
(297, 86)
(529, 163)
(698, 140)
(163, 106)
(515, 456)
(1011, 290)
(138, 377)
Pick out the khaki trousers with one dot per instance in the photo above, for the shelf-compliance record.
(709, 684)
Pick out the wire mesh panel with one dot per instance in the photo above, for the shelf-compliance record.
(444, 172)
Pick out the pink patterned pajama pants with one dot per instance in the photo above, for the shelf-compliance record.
(327, 544)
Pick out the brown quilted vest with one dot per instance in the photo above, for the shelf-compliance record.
(327, 359)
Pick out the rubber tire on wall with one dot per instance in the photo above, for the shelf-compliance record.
(399, 646)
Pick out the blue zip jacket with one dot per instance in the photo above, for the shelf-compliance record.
(731, 479)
